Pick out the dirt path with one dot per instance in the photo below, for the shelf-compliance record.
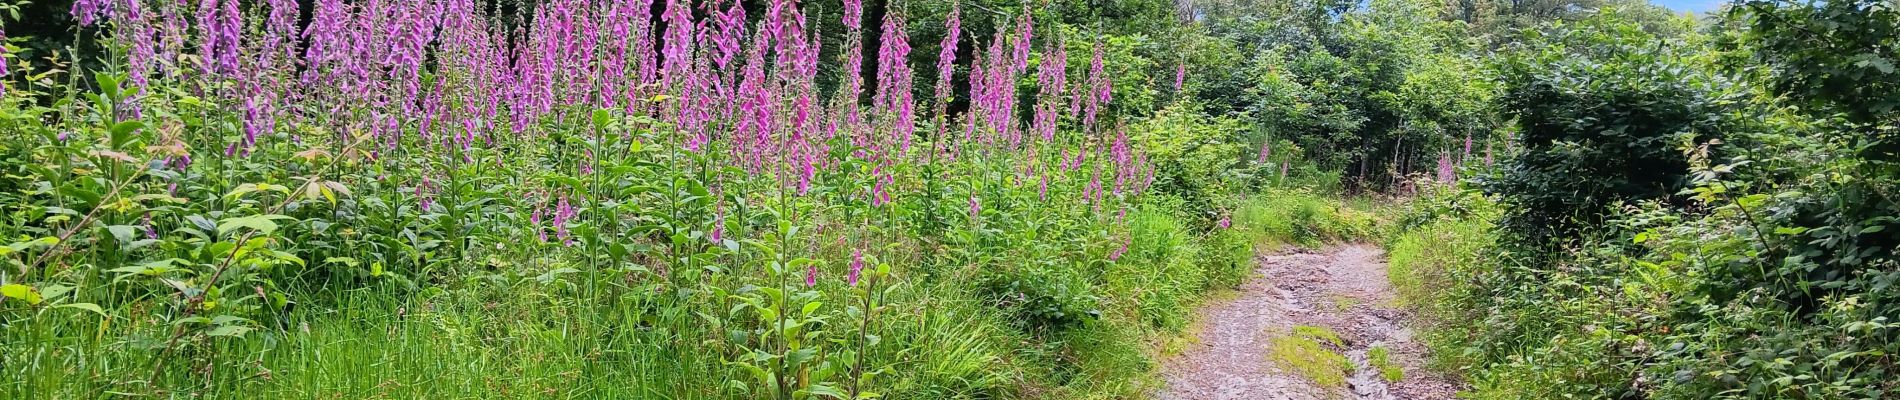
(1343, 290)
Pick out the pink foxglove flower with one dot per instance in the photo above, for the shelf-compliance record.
(811, 275)
(89, 12)
(3, 61)
(976, 206)
(1180, 76)
(857, 266)
(1446, 173)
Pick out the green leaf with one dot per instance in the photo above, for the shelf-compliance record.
(122, 133)
(601, 117)
(228, 331)
(94, 308)
(125, 233)
(1875, 62)
(260, 223)
(22, 292)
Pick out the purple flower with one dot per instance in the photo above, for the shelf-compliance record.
(893, 95)
(1117, 253)
(3, 60)
(1098, 83)
(91, 11)
(151, 232)
(719, 227)
(1180, 76)
(1020, 50)
(853, 14)
(221, 24)
(857, 266)
(1052, 75)
(976, 206)
(946, 66)
(1266, 150)
(811, 275)
(1042, 189)
(562, 213)
(1445, 171)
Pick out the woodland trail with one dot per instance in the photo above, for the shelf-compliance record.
(1343, 289)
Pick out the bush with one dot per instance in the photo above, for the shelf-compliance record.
(1604, 118)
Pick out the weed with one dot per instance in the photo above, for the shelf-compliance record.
(1380, 359)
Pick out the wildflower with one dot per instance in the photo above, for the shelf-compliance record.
(976, 206)
(811, 275)
(91, 11)
(1117, 253)
(857, 266)
(892, 97)
(719, 227)
(1020, 50)
(1180, 76)
(1042, 190)
(1098, 83)
(535, 219)
(222, 24)
(1445, 171)
(3, 60)
(947, 56)
(562, 213)
(853, 13)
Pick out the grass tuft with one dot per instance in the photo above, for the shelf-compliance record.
(1309, 352)
(1381, 359)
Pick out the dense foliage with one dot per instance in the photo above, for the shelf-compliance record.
(630, 198)
(1711, 212)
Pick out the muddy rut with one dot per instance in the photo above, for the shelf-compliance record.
(1343, 289)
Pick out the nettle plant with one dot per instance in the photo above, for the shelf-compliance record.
(238, 161)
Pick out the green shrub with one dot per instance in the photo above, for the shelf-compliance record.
(1039, 299)
(1227, 257)
(1605, 110)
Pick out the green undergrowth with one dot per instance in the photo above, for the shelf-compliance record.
(1305, 219)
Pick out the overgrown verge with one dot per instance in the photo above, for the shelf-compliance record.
(1667, 230)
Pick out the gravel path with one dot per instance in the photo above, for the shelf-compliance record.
(1343, 289)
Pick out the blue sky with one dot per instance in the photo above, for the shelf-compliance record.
(1698, 6)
